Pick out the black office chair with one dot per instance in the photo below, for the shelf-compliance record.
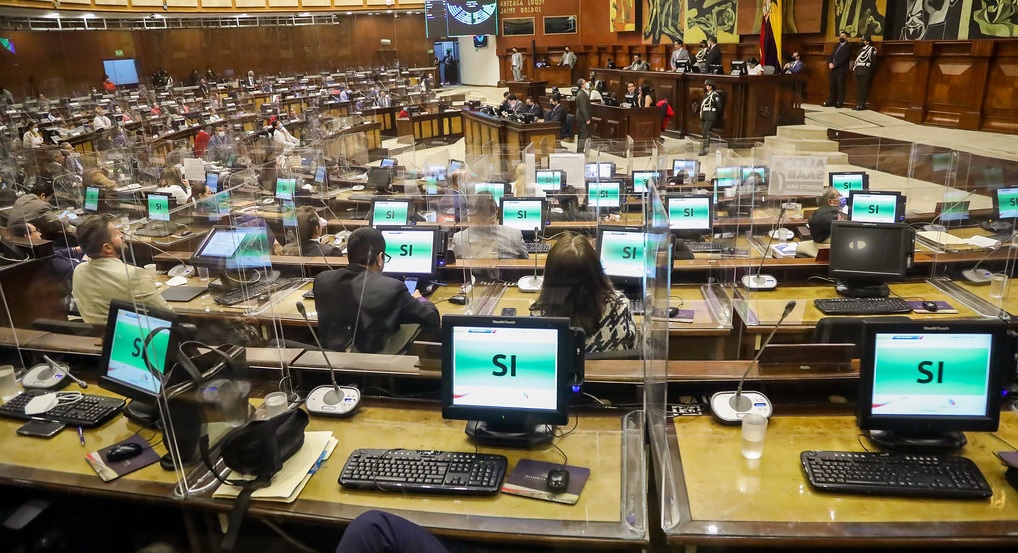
(615, 354)
(848, 330)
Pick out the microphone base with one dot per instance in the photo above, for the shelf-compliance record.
(530, 284)
(322, 401)
(977, 276)
(182, 270)
(759, 282)
(723, 411)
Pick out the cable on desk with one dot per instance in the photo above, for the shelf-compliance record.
(822, 278)
(576, 422)
(861, 443)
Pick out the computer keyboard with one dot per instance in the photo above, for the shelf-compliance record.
(424, 471)
(862, 306)
(259, 288)
(89, 411)
(538, 247)
(704, 247)
(897, 474)
(128, 187)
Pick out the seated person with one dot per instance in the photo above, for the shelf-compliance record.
(104, 277)
(485, 239)
(558, 114)
(819, 222)
(575, 286)
(381, 532)
(173, 183)
(309, 232)
(64, 259)
(569, 202)
(533, 108)
(361, 295)
(34, 207)
(452, 202)
(753, 67)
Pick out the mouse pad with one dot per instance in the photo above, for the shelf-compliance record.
(529, 476)
(942, 307)
(110, 470)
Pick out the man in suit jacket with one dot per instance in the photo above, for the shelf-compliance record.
(568, 58)
(713, 52)
(837, 63)
(582, 112)
(361, 295)
(558, 113)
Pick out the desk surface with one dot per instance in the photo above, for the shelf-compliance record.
(769, 501)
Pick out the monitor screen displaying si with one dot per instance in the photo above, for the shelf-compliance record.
(285, 188)
(761, 171)
(690, 168)
(234, 248)
(390, 213)
(875, 207)
(930, 381)
(852, 180)
(158, 207)
(604, 195)
(643, 180)
(122, 355)
(212, 182)
(387, 162)
(411, 251)
(620, 250)
(525, 214)
(550, 180)
(91, 199)
(725, 177)
(495, 188)
(1006, 202)
(692, 213)
(599, 170)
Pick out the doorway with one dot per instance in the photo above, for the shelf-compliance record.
(448, 55)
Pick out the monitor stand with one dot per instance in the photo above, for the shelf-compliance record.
(145, 414)
(862, 289)
(529, 436)
(918, 443)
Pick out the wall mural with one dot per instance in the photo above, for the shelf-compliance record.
(623, 15)
(664, 19)
(955, 19)
(711, 18)
(860, 17)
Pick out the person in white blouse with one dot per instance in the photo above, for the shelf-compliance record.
(282, 136)
(753, 67)
(101, 121)
(172, 182)
(32, 137)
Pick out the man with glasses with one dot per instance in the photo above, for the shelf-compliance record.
(105, 277)
(360, 296)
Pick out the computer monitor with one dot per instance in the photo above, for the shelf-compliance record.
(952, 211)
(738, 67)
(91, 199)
(630, 99)
(412, 251)
(127, 326)
(871, 206)
(437, 172)
(550, 180)
(234, 249)
(379, 178)
(510, 377)
(212, 182)
(525, 214)
(620, 249)
(285, 188)
(922, 384)
(643, 180)
(599, 170)
(387, 162)
(865, 256)
(683, 66)
(321, 175)
(158, 207)
(849, 180)
(216, 207)
(690, 216)
(1005, 203)
(726, 178)
(497, 189)
(690, 169)
(391, 213)
(231, 160)
(747, 172)
(455, 165)
(604, 195)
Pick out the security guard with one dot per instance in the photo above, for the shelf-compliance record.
(863, 68)
(710, 112)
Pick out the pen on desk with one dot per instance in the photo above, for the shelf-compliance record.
(81, 436)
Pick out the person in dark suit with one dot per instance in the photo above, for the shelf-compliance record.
(837, 63)
(361, 295)
(713, 52)
(558, 113)
(582, 112)
(309, 231)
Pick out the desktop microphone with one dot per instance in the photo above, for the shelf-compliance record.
(975, 275)
(64, 369)
(731, 407)
(761, 281)
(334, 400)
(532, 283)
(184, 269)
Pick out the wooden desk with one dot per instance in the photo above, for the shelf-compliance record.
(554, 75)
(616, 123)
(506, 140)
(769, 502)
(522, 89)
(446, 126)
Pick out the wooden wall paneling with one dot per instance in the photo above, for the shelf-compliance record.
(1000, 110)
(953, 77)
(916, 111)
(897, 76)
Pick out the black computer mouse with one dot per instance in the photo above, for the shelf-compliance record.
(930, 306)
(123, 452)
(672, 312)
(458, 299)
(558, 480)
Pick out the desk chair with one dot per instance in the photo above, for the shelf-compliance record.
(614, 354)
(848, 330)
(76, 328)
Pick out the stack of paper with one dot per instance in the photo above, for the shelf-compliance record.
(297, 470)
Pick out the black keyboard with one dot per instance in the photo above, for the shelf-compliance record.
(862, 306)
(424, 471)
(704, 247)
(158, 231)
(259, 288)
(897, 474)
(538, 247)
(89, 411)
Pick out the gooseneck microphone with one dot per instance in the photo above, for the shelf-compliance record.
(183, 270)
(532, 283)
(760, 281)
(731, 407)
(334, 400)
(58, 369)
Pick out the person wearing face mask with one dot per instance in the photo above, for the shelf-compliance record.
(219, 145)
(32, 137)
(282, 136)
(101, 121)
(710, 112)
(831, 202)
(837, 63)
(863, 68)
(310, 228)
(582, 113)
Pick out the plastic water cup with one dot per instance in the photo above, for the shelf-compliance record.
(754, 430)
(998, 285)
(276, 403)
(151, 269)
(203, 274)
(8, 383)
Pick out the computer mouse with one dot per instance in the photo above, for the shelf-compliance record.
(672, 312)
(123, 452)
(357, 187)
(268, 201)
(458, 299)
(930, 306)
(558, 480)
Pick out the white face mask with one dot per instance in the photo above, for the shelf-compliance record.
(221, 134)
